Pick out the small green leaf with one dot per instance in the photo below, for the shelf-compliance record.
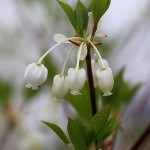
(81, 15)
(99, 120)
(99, 7)
(58, 131)
(76, 131)
(69, 12)
(108, 130)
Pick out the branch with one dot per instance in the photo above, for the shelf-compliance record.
(142, 139)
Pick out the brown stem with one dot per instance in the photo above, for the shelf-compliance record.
(90, 81)
(142, 139)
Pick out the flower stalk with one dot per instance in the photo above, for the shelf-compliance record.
(90, 81)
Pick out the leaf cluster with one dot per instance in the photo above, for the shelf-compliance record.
(79, 16)
(84, 136)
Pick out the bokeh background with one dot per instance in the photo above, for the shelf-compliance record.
(26, 31)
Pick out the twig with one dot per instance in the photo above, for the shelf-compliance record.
(142, 139)
(90, 81)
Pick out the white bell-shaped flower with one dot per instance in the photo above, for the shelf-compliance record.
(60, 87)
(96, 64)
(35, 75)
(105, 80)
(76, 80)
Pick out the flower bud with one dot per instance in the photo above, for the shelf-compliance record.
(105, 80)
(96, 64)
(60, 87)
(35, 75)
(76, 80)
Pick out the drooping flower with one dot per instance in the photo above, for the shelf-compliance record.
(96, 64)
(77, 76)
(60, 87)
(76, 80)
(105, 80)
(35, 75)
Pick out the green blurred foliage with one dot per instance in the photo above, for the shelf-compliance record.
(83, 136)
(81, 103)
(6, 90)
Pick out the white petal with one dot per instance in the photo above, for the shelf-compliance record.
(98, 27)
(60, 37)
(96, 64)
(83, 52)
(98, 31)
(101, 35)
(90, 23)
(107, 94)
(60, 87)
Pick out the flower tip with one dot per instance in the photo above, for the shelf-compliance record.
(75, 93)
(107, 94)
(101, 35)
(58, 100)
(32, 87)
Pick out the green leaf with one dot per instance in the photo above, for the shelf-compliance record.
(99, 7)
(81, 15)
(108, 130)
(58, 131)
(99, 120)
(76, 131)
(90, 136)
(69, 12)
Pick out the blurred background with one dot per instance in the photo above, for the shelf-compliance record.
(26, 31)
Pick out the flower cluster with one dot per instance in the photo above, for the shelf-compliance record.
(36, 73)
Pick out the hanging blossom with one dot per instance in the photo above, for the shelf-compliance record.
(96, 64)
(36, 73)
